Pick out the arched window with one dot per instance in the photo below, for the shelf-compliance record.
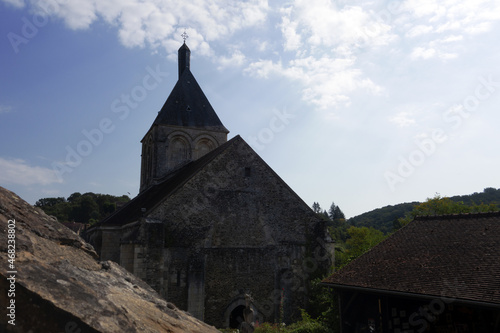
(178, 151)
(202, 147)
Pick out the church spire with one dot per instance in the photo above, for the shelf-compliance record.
(185, 129)
(183, 55)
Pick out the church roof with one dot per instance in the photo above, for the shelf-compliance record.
(452, 256)
(187, 105)
(149, 198)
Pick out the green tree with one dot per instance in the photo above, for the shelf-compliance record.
(316, 208)
(49, 202)
(85, 208)
(361, 240)
(444, 206)
(74, 197)
(339, 214)
(331, 212)
(57, 207)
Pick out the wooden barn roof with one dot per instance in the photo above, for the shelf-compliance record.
(452, 256)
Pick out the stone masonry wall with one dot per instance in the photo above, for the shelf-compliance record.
(254, 230)
(110, 249)
(235, 271)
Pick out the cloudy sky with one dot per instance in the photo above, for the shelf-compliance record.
(364, 103)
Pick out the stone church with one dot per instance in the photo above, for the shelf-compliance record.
(212, 221)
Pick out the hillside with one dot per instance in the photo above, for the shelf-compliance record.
(383, 218)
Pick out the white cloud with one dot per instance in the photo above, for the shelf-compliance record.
(15, 3)
(264, 68)
(332, 42)
(444, 22)
(419, 30)
(326, 81)
(5, 109)
(439, 48)
(403, 119)
(236, 59)
(17, 171)
(157, 23)
(423, 53)
(325, 24)
(289, 31)
(51, 192)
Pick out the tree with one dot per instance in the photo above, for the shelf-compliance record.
(444, 206)
(316, 208)
(85, 208)
(74, 197)
(362, 239)
(57, 207)
(49, 202)
(335, 213)
(339, 214)
(331, 212)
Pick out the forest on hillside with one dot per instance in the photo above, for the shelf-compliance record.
(385, 218)
(87, 208)
(357, 235)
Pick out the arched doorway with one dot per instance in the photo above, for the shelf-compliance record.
(236, 317)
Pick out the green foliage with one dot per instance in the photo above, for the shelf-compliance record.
(269, 328)
(335, 213)
(84, 208)
(382, 218)
(335, 219)
(323, 306)
(306, 325)
(387, 219)
(444, 206)
(360, 240)
(316, 208)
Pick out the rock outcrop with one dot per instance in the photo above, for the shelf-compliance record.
(60, 286)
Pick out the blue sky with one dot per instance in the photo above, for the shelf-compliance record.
(364, 103)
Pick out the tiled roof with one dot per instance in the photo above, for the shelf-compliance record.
(453, 256)
(188, 106)
(150, 197)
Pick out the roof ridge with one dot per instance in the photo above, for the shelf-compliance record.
(190, 169)
(457, 215)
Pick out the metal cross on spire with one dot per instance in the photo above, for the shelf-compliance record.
(184, 36)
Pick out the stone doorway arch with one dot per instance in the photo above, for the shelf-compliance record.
(235, 310)
(236, 317)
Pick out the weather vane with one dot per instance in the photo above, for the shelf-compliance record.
(184, 35)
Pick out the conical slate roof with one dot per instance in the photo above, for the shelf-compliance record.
(188, 106)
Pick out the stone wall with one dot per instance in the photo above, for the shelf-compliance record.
(232, 272)
(233, 227)
(176, 266)
(253, 231)
(110, 246)
(167, 147)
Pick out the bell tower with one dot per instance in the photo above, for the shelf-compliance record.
(185, 129)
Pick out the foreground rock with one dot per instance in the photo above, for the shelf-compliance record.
(62, 287)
